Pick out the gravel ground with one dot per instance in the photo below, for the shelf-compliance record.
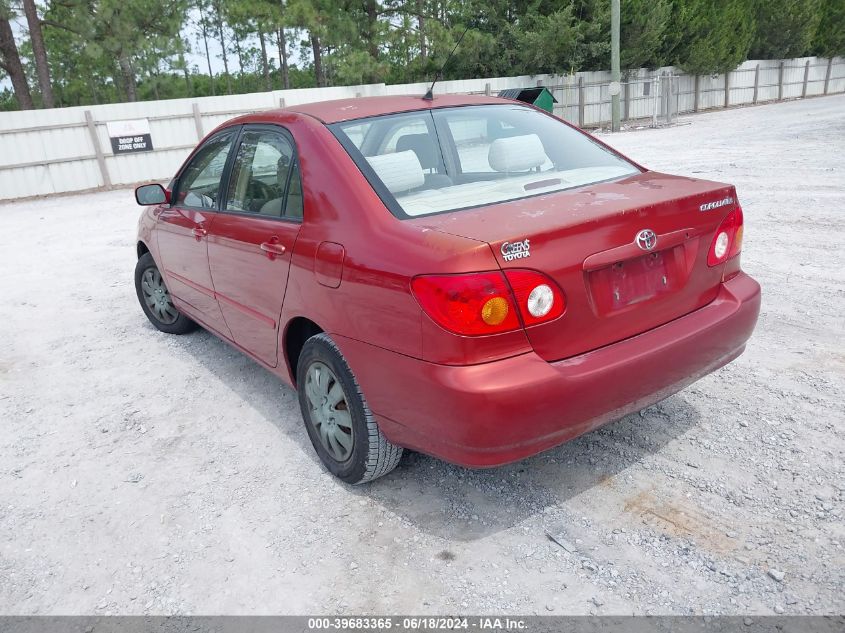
(144, 473)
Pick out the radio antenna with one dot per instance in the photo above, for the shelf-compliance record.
(429, 96)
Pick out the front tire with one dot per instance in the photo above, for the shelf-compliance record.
(339, 423)
(155, 299)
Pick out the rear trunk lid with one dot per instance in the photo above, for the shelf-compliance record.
(586, 241)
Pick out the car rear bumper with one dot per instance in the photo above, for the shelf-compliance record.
(503, 411)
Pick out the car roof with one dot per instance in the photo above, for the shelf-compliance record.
(362, 107)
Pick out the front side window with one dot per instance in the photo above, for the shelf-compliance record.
(455, 158)
(263, 174)
(199, 184)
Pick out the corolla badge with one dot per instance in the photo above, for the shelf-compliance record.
(646, 239)
(707, 206)
(516, 250)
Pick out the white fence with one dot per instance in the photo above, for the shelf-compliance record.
(68, 149)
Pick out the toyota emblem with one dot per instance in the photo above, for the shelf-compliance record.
(646, 239)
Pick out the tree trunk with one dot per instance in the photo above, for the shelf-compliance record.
(156, 93)
(10, 61)
(128, 75)
(406, 28)
(318, 61)
(421, 28)
(219, 20)
(183, 63)
(371, 33)
(239, 51)
(39, 53)
(283, 58)
(265, 66)
(207, 54)
(95, 99)
(155, 80)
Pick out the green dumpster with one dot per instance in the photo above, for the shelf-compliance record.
(539, 96)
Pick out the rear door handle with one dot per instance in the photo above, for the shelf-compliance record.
(273, 248)
(199, 232)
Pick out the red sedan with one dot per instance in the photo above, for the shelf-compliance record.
(469, 277)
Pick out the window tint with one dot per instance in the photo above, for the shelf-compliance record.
(494, 153)
(199, 184)
(260, 174)
(294, 203)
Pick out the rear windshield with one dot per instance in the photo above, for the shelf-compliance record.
(432, 161)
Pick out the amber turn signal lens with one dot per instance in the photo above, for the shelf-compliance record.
(494, 311)
(738, 240)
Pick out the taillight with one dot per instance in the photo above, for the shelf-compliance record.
(727, 242)
(739, 221)
(475, 304)
(471, 304)
(538, 297)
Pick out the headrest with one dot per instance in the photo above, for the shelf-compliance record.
(400, 172)
(516, 153)
(422, 145)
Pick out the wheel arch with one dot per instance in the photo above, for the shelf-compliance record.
(298, 330)
(141, 249)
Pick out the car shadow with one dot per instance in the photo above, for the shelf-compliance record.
(461, 504)
(265, 392)
(448, 501)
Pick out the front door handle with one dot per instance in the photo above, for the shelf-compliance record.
(273, 248)
(199, 232)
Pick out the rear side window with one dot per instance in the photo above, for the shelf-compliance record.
(456, 158)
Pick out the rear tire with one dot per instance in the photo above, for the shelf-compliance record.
(155, 299)
(339, 423)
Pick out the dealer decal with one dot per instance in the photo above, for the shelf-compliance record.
(516, 250)
(709, 206)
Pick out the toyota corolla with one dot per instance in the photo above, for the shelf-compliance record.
(469, 277)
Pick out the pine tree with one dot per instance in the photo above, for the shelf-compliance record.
(643, 31)
(829, 40)
(785, 28)
(709, 36)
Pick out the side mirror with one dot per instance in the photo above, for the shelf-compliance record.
(146, 195)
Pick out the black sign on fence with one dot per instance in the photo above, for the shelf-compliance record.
(130, 136)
